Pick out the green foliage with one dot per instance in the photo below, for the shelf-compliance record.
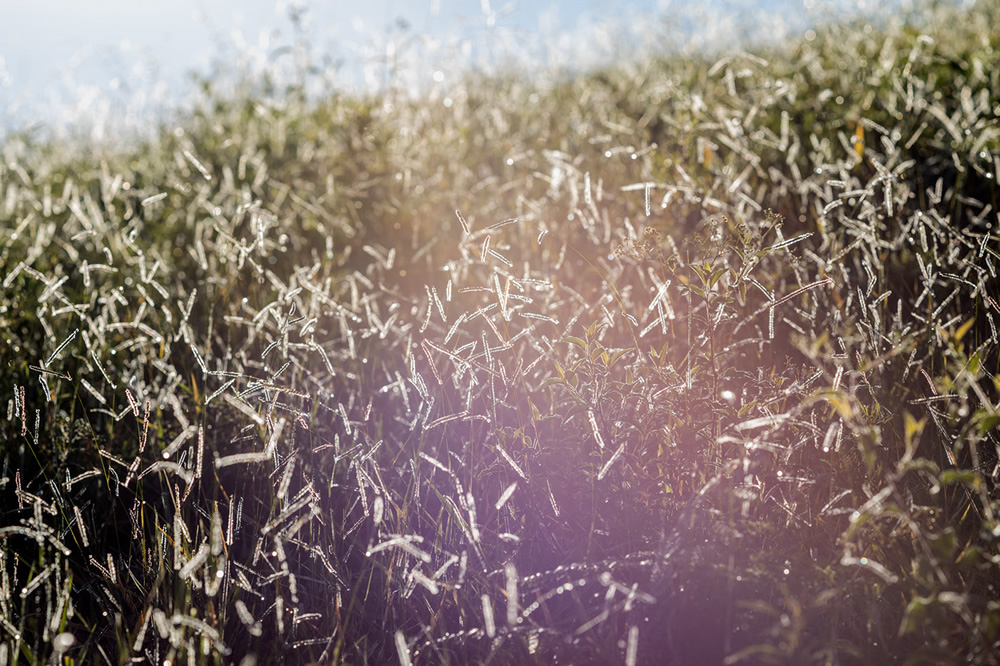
(703, 371)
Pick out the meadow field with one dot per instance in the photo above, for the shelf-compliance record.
(687, 360)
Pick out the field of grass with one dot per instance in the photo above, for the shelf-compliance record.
(682, 361)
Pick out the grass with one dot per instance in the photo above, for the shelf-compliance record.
(688, 361)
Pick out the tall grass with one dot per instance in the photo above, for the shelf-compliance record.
(684, 361)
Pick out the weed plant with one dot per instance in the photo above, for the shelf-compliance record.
(683, 361)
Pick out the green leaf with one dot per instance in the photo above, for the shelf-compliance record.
(964, 476)
(911, 430)
(917, 613)
(944, 544)
(975, 365)
(971, 557)
(986, 420)
(839, 401)
(963, 329)
(617, 355)
(991, 622)
(576, 341)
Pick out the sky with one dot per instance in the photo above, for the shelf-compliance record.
(115, 62)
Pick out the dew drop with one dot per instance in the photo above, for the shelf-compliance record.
(63, 642)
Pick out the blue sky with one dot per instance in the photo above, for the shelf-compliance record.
(63, 61)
